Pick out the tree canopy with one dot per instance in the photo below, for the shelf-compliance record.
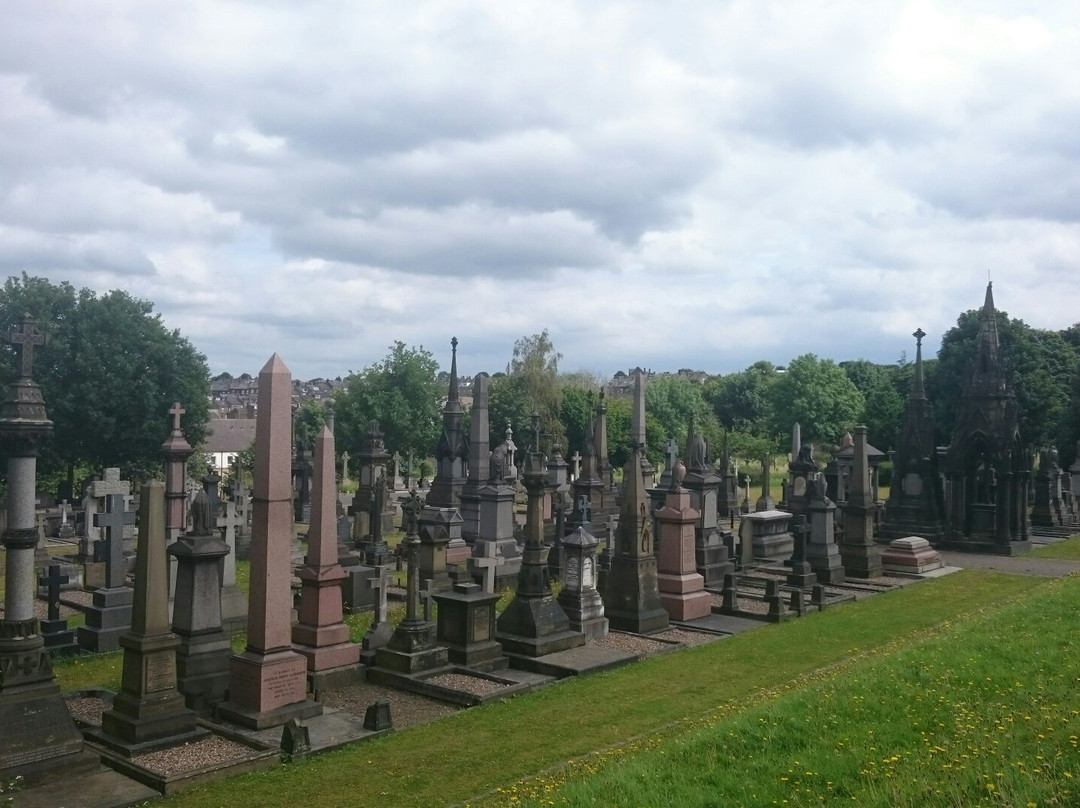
(402, 393)
(819, 396)
(109, 374)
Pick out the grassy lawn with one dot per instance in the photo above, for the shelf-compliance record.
(1070, 548)
(985, 713)
(482, 749)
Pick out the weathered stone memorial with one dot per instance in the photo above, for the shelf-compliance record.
(579, 597)
(38, 738)
(149, 712)
(109, 615)
(268, 681)
(859, 554)
(59, 639)
(912, 555)
(702, 484)
(822, 552)
(320, 633)
(479, 466)
(681, 585)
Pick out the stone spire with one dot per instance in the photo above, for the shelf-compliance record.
(451, 452)
(918, 389)
(987, 374)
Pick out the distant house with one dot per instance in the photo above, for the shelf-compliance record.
(228, 438)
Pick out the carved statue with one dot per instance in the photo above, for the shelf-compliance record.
(497, 464)
(200, 515)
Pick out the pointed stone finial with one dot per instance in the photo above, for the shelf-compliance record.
(453, 392)
(988, 303)
(176, 411)
(918, 390)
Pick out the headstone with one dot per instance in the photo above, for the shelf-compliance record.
(59, 639)
(681, 586)
(368, 532)
(377, 716)
(802, 574)
(479, 468)
(38, 740)
(320, 633)
(109, 615)
(149, 712)
(770, 537)
(859, 554)
(496, 527)
(202, 658)
(466, 627)
(412, 650)
(702, 484)
(439, 527)
(268, 682)
(765, 502)
(233, 599)
(380, 631)
(579, 597)
(534, 624)
(822, 551)
(632, 597)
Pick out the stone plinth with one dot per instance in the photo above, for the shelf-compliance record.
(466, 627)
(912, 554)
(770, 537)
(497, 529)
(108, 617)
(579, 597)
(438, 528)
(822, 552)
(682, 587)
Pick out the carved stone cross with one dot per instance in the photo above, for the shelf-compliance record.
(113, 520)
(26, 337)
(428, 596)
(488, 564)
(54, 580)
(377, 583)
(176, 411)
(671, 452)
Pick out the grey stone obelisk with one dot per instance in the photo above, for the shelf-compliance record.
(37, 735)
(859, 553)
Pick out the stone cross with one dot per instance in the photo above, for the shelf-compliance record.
(114, 519)
(377, 583)
(64, 509)
(584, 508)
(378, 497)
(228, 524)
(671, 453)
(54, 580)
(112, 484)
(344, 465)
(428, 594)
(488, 564)
(26, 337)
(575, 458)
(176, 411)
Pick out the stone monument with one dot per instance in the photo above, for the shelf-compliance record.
(109, 615)
(860, 556)
(268, 681)
(479, 467)
(682, 587)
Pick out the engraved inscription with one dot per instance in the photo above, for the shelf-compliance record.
(570, 576)
(800, 487)
(481, 625)
(159, 672)
(284, 686)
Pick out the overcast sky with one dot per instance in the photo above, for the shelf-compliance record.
(675, 184)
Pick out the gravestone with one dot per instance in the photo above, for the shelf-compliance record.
(579, 597)
(268, 681)
(912, 555)
(451, 453)
(38, 739)
(770, 537)
(233, 598)
(485, 567)
(202, 657)
(478, 461)
(439, 527)
(496, 527)
(681, 585)
(822, 552)
(59, 639)
(368, 530)
(380, 631)
(149, 712)
(765, 502)
(320, 633)
(534, 624)
(632, 597)
(412, 650)
(703, 486)
(802, 574)
(859, 554)
(466, 627)
(109, 615)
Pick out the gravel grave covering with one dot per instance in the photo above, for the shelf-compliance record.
(476, 685)
(78, 596)
(406, 709)
(686, 637)
(631, 643)
(751, 605)
(191, 756)
(87, 709)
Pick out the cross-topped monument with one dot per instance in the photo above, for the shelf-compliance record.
(113, 520)
(25, 337)
(176, 411)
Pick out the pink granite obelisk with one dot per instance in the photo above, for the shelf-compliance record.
(320, 634)
(682, 587)
(268, 681)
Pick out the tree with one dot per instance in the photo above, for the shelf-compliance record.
(530, 385)
(819, 395)
(401, 393)
(576, 413)
(883, 412)
(1042, 366)
(673, 401)
(109, 374)
(307, 421)
(743, 401)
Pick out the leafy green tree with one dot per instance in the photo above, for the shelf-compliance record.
(530, 385)
(673, 400)
(820, 396)
(576, 413)
(109, 374)
(884, 410)
(307, 422)
(1042, 366)
(743, 401)
(401, 393)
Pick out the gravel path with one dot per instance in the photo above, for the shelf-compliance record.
(406, 709)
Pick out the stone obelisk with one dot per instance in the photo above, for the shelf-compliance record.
(321, 635)
(268, 681)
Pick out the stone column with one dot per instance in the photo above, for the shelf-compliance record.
(268, 681)
(479, 465)
(37, 736)
(682, 587)
(860, 555)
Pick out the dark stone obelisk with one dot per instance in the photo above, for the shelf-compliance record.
(149, 713)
